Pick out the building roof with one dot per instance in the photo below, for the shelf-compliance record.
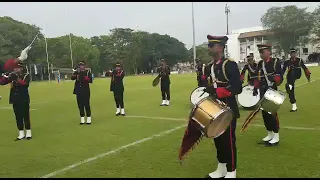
(254, 34)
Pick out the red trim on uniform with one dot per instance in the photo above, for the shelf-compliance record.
(277, 120)
(86, 78)
(22, 82)
(231, 146)
(9, 65)
(203, 77)
(256, 83)
(241, 77)
(277, 79)
(223, 92)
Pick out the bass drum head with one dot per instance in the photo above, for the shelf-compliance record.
(197, 95)
(220, 124)
(246, 98)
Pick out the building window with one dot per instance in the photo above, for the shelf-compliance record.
(258, 38)
(242, 40)
(251, 39)
(305, 50)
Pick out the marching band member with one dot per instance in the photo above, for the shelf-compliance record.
(10, 64)
(224, 82)
(19, 98)
(294, 66)
(202, 81)
(117, 87)
(269, 76)
(164, 73)
(82, 79)
(251, 67)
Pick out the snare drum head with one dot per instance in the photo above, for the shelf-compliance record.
(275, 96)
(246, 98)
(197, 95)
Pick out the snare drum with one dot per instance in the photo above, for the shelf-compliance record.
(246, 98)
(198, 94)
(272, 100)
(212, 117)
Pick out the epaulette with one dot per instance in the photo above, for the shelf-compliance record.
(230, 59)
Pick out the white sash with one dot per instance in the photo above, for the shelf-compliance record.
(265, 74)
(213, 76)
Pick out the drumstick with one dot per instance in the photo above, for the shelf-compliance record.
(34, 39)
(202, 93)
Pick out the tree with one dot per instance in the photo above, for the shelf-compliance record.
(201, 53)
(290, 26)
(316, 26)
(15, 36)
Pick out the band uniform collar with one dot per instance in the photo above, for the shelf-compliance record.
(268, 60)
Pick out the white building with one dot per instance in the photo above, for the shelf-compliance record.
(242, 42)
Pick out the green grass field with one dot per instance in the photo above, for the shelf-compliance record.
(140, 145)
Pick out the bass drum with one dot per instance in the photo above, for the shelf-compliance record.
(197, 95)
(246, 98)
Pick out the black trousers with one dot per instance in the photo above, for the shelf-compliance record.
(271, 121)
(22, 113)
(83, 101)
(165, 91)
(291, 92)
(118, 98)
(226, 147)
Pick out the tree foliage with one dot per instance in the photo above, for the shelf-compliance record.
(137, 50)
(290, 26)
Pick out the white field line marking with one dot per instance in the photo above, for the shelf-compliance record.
(307, 82)
(111, 152)
(5, 107)
(257, 125)
(9, 108)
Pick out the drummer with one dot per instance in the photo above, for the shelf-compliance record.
(269, 76)
(251, 67)
(224, 82)
(200, 73)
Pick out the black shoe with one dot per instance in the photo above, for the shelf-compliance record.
(88, 123)
(118, 114)
(269, 144)
(293, 110)
(17, 139)
(29, 138)
(123, 114)
(81, 124)
(263, 142)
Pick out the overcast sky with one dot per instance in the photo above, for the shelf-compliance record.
(172, 18)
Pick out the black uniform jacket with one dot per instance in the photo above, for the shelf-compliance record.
(227, 75)
(82, 80)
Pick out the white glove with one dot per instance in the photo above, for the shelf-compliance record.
(24, 53)
(6, 76)
(290, 87)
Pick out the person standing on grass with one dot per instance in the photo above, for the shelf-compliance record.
(269, 76)
(294, 66)
(200, 73)
(82, 79)
(224, 83)
(116, 85)
(20, 99)
(251, 67)
(164, 74)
